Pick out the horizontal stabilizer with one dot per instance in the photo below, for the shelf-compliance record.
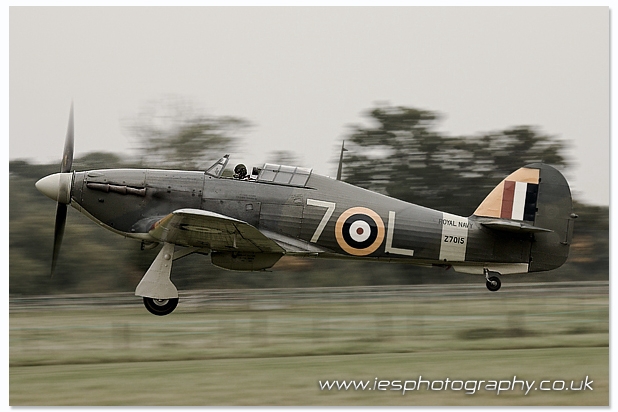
(513, 226)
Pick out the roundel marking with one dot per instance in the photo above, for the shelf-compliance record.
(359, 231)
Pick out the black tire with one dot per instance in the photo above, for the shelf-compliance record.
(160, 307)
(490, 283)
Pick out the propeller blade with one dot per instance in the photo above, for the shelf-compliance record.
(61, 218)
(67, 155)
(61, 210)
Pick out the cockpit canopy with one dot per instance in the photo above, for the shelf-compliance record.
(285, 175)
(269, 173)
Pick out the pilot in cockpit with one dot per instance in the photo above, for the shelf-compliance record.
(240, 171)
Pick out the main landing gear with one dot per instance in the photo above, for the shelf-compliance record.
(492, 282)
(159, 293)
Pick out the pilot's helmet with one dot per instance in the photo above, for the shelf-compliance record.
(240, 170)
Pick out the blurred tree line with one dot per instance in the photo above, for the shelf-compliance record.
(400, 154)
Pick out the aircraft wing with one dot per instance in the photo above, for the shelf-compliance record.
(204, 229)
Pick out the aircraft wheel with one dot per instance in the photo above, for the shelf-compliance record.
(160, 307)
(493, 283)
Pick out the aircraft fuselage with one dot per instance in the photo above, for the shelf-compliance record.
(342, 220)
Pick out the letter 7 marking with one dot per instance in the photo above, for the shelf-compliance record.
(330, 208)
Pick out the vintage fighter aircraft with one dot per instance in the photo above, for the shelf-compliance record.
(250, 221)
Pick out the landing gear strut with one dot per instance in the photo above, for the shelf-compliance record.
(492, 282)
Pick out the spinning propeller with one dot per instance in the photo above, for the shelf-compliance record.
(58, 187)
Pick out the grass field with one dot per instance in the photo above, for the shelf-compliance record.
(274, 351)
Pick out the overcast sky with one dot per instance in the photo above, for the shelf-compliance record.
(302, 76)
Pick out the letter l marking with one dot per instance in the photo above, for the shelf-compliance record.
(389, 238)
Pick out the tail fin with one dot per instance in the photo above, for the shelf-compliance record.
(536, 199)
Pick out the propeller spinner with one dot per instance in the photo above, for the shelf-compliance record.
(58, 187)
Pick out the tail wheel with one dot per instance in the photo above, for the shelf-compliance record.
(160, 307)
(493, 283)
